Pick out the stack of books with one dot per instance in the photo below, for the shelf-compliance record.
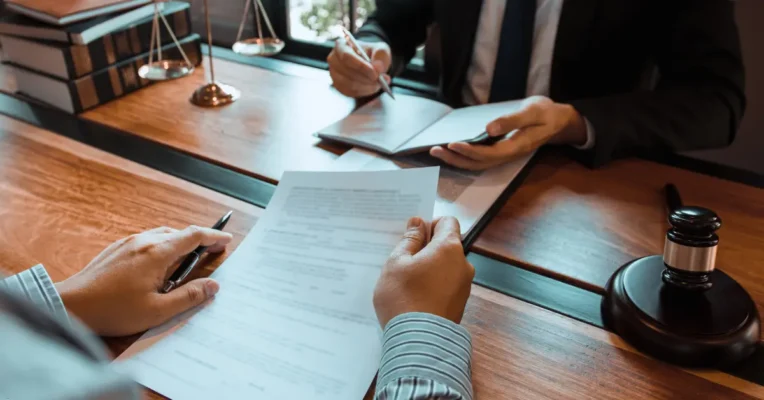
(78, 54)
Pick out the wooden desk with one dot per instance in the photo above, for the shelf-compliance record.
(63, 202)
(566, 221)
(580, 225)
(267, 131)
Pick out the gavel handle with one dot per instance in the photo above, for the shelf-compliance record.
(673, 199)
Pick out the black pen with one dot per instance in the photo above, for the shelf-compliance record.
(190, 261)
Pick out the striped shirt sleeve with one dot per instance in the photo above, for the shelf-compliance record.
(36, 286)
(424, 357)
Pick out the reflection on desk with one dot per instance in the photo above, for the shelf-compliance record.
(580, 225)
(520, 351)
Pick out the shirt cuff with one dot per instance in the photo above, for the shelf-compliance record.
(589, 136)
(36, 286)
(420, 347)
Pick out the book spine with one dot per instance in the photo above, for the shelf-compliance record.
(118, 80)
(119, 46)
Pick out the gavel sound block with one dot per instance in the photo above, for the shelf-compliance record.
(677, 306)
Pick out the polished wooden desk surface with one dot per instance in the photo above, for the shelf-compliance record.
(566, 221)
(267, 131)
(63, 202)
(579, 225)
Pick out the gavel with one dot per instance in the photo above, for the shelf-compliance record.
(678, 306)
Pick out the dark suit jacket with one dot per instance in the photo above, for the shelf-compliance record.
(650, 75)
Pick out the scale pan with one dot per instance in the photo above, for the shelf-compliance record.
(165, 70)
(258, 47)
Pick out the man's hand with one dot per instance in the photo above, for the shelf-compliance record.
(538, 121)
(354, 77)
(425, 277)
(118, 292)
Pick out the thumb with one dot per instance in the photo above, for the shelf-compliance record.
(188, 296)
(445, 228)
(380, 59)
(413, 240)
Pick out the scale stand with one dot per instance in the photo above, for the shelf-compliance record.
(162, 70)
(257, 46)
(213, 94)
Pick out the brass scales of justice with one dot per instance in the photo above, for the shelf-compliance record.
(213, 93)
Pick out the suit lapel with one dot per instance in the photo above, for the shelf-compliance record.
(573, 32)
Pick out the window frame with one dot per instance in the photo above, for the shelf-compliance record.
(414, 77)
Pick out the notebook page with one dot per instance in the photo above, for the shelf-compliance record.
(385, 124)
(460, 125)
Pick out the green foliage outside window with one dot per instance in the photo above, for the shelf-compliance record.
(323, 15)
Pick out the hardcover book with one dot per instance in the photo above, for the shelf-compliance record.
(62, 12)
(82, 94)
(73, 61)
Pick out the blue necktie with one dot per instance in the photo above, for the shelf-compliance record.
(513, 57)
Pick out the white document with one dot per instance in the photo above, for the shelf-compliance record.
(294, 317)
(466, 195)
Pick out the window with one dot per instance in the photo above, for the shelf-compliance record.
(309, 27)
(317, 20)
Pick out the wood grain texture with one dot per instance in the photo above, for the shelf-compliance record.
(566, 221)
(579, 225)
(62, 202)
(267, 131)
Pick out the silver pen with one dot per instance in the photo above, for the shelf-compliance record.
(357, 48)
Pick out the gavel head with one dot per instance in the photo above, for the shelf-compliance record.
(690, 250)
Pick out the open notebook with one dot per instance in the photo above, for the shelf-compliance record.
(411, 124)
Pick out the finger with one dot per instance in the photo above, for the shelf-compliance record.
(446, 228)
(413, 240)
(380, 57)
(528, 115)
(347, 57)
(475, 152)
(379, 66)
(350, 72)
(457, 160)
(217, 248)
(353, 87)
(185, 241)
(162, 229)
(523, 142)
(186, 297)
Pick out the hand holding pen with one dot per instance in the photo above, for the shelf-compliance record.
(116, 294)
(358, 68)
(188, 263)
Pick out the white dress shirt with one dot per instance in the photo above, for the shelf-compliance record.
(477, 87)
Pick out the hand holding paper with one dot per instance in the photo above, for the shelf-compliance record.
(294, 316)
(407, 283)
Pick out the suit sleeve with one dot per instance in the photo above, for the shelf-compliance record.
(402, 24)
(699, 99)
